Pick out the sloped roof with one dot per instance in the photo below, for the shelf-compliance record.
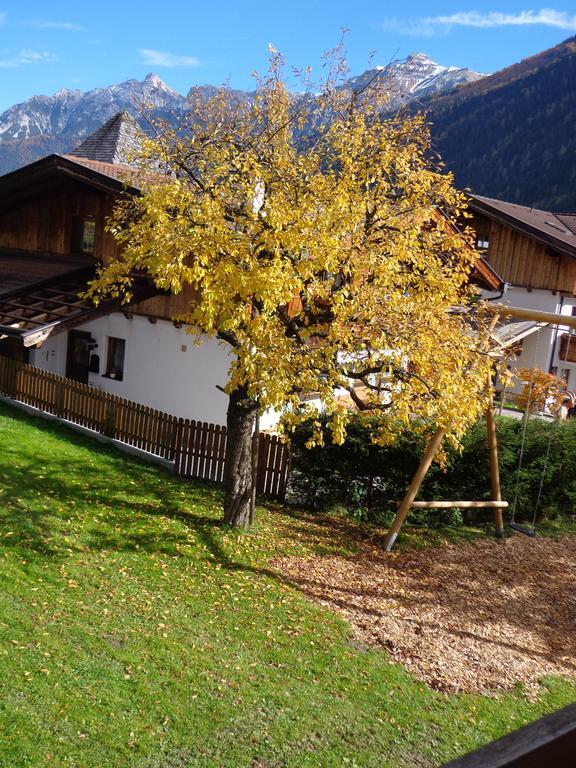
(34, 310)
(555, 230)
(117, 141)
(19, 269)
(569, 219)
(39, 177)
(509, 333)
(124, 173)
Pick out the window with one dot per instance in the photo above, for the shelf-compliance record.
(83, 235)
(115, 359)
(482, 242)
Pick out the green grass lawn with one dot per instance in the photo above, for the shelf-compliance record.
(136, 631)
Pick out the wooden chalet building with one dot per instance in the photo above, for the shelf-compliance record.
(52, 236)
(534, 252)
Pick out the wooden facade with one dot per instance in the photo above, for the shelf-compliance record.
(522, 260)
(166, 307)
(44, 223)
(567, 352)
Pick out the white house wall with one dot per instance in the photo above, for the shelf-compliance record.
(163, 367)
(539, 349)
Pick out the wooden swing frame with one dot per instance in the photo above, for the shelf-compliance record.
(496, 503)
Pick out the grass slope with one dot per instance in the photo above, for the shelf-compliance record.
(135, 631)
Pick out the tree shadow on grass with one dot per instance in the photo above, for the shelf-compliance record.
(63, 492)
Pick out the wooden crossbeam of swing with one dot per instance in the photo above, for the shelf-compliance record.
(519, 313)
(459, 504)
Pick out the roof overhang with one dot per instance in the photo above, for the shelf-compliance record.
(486, 276)
(496, 213)
(34, 179)
(482, 273)
(34, 312)
(509, 334)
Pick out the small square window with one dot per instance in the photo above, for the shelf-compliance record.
(83, 235)
(115, 359)
(482, 242)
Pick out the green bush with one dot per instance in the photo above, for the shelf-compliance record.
(367, 481)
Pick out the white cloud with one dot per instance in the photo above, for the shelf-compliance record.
(427, 26)
(42, 24)
(26, 56)
(163, 59)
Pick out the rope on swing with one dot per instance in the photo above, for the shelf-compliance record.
(513, 524)
(531, 531)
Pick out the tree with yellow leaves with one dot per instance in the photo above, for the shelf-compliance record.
(540, 391)
(317, 236)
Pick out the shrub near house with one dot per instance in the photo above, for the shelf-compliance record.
(367, 480)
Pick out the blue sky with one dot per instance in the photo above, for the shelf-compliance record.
(45, 46)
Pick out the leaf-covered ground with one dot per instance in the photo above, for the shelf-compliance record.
(475, 617)
(135, 632)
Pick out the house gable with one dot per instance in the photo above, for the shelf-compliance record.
(527, 248)
(43, 222)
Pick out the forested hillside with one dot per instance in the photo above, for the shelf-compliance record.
(513, 135)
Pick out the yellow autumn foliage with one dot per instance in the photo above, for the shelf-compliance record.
(318, 236)
(540, 390)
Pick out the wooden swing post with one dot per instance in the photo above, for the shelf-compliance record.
(519, 313)
(408, 500)
(431, 450)
(494, 471)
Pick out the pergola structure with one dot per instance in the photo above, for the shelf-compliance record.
(31, 309)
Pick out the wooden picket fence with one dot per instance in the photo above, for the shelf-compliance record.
(196, 448)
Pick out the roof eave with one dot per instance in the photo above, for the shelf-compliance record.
(522, 227)
(492, 279)
(37, 177)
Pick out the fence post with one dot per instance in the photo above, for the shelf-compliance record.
(176, 444)
(285, 472)
(59, 399)
(109, 427)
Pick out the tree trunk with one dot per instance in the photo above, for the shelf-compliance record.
(240, 421)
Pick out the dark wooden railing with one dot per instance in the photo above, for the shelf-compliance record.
(196, 448)
(547, 743)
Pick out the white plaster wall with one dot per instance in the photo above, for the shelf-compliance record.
(545, 301)
(539, 349)
(163, 368)
(52, 354)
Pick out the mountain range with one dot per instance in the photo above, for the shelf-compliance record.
(57, 123)
(509, 135)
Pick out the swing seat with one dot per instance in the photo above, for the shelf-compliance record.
(523, 529)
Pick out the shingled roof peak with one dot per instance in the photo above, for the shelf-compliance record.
(118, 141)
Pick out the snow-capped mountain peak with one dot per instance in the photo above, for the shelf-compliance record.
(414, 77)
(57, 123)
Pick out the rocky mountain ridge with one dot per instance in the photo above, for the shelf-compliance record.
(57, 123)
